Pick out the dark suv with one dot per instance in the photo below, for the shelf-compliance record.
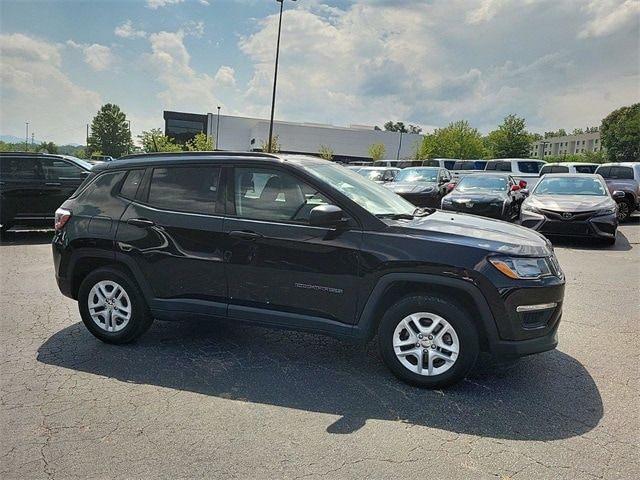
(623, 177)
(302, 243)
(33, 185)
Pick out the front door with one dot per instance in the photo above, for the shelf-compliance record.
(276, 260)
(61, 179)
(173, 230)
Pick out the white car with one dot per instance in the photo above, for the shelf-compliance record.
(527, 169)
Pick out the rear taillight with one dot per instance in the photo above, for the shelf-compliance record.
(62, 217)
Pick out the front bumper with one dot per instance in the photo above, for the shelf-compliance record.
(481, 209)
(601, 226)
(431, 200)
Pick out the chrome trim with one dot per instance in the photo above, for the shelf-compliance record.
(536, 308)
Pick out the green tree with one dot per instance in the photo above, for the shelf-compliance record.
(377, 151)
(560, 133)
(274, 147)
(47, 147)
(110, 132)
(424, 148)
(510, 140)
(620, 134)
(156, 141)
(326, 152)
(457, 140)
(400, 127)
(200, 143)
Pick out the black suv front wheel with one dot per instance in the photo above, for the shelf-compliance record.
(428, 341)
(112, 306)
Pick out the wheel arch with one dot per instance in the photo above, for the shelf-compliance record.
(390, 288)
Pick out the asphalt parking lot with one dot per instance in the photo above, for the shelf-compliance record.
(198, 399)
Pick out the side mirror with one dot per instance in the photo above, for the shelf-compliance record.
(326, 216)
(84, 173)
(618, 194)
(450, 186)
(522, 184)
(515, 188)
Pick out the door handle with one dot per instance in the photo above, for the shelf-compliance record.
(140, 222)
(245, 235)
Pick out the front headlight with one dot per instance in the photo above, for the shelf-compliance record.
(522, 268)
(607, 211)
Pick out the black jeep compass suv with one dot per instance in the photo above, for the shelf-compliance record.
(302, 243)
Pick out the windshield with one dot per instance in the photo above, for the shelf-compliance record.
(375, 175)
(570, 186)
(414, 175)
(482, 183)
(372, 197)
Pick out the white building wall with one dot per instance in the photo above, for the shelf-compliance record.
(242, 133)
(569, 144)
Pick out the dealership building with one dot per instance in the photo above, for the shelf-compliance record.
(250, 134)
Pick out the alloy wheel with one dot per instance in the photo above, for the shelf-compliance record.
(109, 306)
(426, 344)
(623, 210)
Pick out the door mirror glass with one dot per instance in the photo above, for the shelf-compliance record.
(326, 216)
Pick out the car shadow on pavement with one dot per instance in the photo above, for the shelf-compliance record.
(544, 397)
(26, 237)
(622, 243)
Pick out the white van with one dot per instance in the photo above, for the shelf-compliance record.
(569, 167)
(527, 169)
(447, 163)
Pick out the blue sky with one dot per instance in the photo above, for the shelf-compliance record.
(559, 64)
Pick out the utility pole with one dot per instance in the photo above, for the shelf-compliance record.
(130, 139)
(218, 131)
(26, 138)
(399, 146)
(32, 137)
(87, 135)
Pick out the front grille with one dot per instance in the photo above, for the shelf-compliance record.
(551, 227)
(575, 216)
(479, 209)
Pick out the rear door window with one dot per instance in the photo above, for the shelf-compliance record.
(604, 172)
(17, 168)
(625, 173)
(131, 184)
(586, 168)
(185, 189)
(529, 167)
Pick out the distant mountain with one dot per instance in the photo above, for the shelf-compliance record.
(14, 139)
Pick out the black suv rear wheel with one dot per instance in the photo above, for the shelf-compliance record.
(112, 306)
(428, 341)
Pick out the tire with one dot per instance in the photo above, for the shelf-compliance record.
(609, 241)
(120, 319)
(625, 207)
(432, 310)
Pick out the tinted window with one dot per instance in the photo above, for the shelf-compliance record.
(186, 189)
(449, 163)
(586, 168)
(604, 171)
(20, 168)
(55, 169)
(546, 169)
(501, 166)
(431, 163)
(529, 167)
(622, 172)
(131, 184)
(265, 194)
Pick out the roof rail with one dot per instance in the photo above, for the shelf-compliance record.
(215, 153)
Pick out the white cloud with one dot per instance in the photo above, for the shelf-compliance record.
(610, 16)
(126, 30)
(225, 77)
(98, 57)
(183, 87)
(155, 4)
(204, 2)
(35, 89)
(193, 28)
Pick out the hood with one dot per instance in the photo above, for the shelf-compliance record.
(412, 187)
(569, 203)
(478, 232)
(485, 197)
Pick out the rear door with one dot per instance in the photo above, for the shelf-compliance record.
(21, 183)
(173, 231)
(277, 261)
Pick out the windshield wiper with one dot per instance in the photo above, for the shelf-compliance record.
(423, 211)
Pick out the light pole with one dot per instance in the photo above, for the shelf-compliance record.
(275, 76)
(218, 130)
(399, 146)
(26, 137)
(130, 140)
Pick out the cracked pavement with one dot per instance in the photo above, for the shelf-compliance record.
(202, 399)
